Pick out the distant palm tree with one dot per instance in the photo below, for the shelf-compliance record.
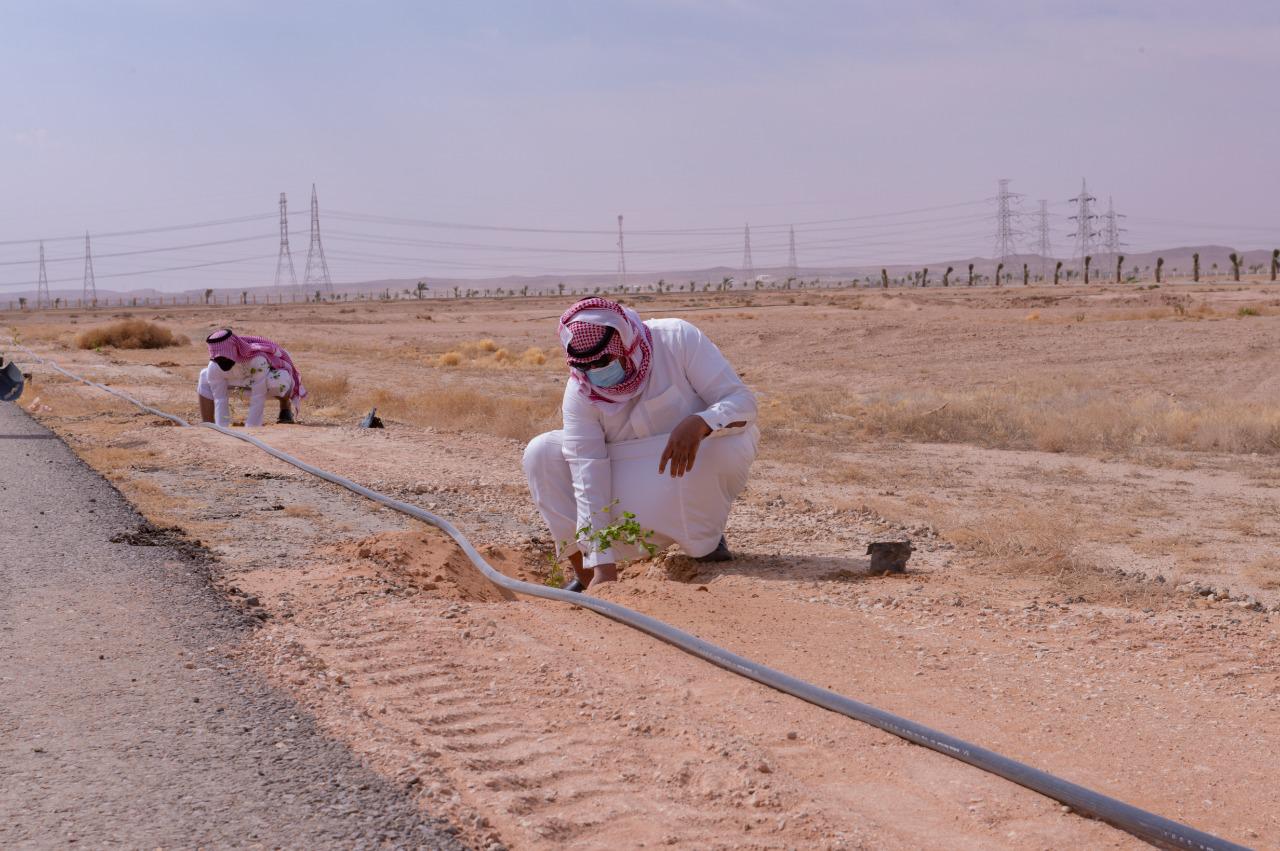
(946, 276)
(999, 272)
(1159, 269)
(1057, 270)
(1119, 266)
(970, 274)
(1235, 265)
(1087, 261)
(1275, 262)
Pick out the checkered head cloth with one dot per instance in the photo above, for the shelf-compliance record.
(596, 327)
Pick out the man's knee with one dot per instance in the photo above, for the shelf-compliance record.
(542, 451)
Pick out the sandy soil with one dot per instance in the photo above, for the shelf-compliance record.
(1107, 613)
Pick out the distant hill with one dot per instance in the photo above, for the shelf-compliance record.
(1177, 261)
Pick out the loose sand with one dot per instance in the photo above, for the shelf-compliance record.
(1089, 477)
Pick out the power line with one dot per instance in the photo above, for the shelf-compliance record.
(165, 229)
(138, 272)
(622, 257)
(447, 225)
(163, 250)
(317, 272)
(89, 292)
(285, 256)
(791, 254)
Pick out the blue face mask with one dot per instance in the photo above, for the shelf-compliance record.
(608, 375)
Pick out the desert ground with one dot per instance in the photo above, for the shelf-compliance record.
(1089, 475)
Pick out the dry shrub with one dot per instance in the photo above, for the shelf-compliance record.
(483, 347)
(505, 414)
(1048, 545)
(325, 389)
(1047, 417)
(487, 354)
(1030, 541)
(301, 511)
(130, 334)
(1265, 573)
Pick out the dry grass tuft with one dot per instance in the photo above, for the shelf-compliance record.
(1265, 572)
(505, 414)
(1058, 417)
(475, 349)
(486, 354)
(1050, 546)
(1030, 541)
(130, 334)
(325, 390)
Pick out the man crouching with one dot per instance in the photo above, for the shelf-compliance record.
(644, 401)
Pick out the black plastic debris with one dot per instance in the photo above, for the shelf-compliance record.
(11, 381)
(372, 420)
(889, 556)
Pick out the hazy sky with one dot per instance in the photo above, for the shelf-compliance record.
(686, 114)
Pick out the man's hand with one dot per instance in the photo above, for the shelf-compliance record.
(682, 446)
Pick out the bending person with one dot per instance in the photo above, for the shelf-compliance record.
(255, 364)
(657, 423)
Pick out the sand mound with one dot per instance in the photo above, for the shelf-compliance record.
(430, 561)
(672, 564)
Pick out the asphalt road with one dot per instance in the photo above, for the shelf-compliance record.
(121, 725)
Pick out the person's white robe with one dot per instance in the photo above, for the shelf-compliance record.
(611, 452)
(254, 375)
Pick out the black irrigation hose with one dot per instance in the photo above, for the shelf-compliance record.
(1157, 830)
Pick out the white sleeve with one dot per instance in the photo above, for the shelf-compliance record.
(218, 386)
(257, 369)
(588, 456)
(714, 379)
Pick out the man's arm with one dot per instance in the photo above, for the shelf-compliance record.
(257, 369)
(729, 401)
(588, 456)
(218, 387)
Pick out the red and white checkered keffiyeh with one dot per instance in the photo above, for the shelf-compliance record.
(242, 348)
(584, 327)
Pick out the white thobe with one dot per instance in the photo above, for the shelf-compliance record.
(611, 451)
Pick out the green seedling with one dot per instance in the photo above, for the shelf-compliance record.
(555, 573)
(626, 531)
